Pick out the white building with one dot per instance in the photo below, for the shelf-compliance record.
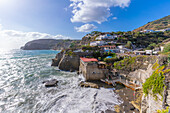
(148, 52)
(148, 31)
(162, 48)
(97, 43)
(120, 47)
(163, 30)
(106, 36)
(167, 29)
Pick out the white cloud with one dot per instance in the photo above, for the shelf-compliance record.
(114, 18)
(0, 27)
(12, 39)
(94, 10)
(85, 28)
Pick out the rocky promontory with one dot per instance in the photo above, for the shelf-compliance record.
(68, 61)
(47, 44)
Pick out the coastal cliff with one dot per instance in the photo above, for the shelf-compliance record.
(140, 66)
(68, 60)
(69, 63)
(140, 69)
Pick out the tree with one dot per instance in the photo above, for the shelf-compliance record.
(72, 45)
(152, 45)
(95, 32)
(166, 48)
(129, 45)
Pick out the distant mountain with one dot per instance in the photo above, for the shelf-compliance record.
(156, 25)
(47, 44)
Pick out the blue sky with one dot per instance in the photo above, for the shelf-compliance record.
(56, 17)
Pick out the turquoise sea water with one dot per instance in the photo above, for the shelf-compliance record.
(21, 89)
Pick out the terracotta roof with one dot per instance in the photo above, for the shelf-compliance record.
(89, 59)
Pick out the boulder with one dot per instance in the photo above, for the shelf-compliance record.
(50, 83)
(88, 84)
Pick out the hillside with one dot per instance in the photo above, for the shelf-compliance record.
(140, 40)
(156, 25)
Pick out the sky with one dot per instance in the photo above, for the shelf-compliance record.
(25, 20)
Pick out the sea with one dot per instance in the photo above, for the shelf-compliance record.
(22, 91)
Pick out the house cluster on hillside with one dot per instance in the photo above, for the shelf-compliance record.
(152, 31)
(107, 43)
(104, 39)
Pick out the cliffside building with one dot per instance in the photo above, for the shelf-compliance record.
(91, 69)
(106, 36)
(97, 43)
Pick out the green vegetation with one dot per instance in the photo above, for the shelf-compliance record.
(155, 65)
(157, 24)
(129, 45)
(96, 54)
(72, 45)
(166, 48)
(127, 64)
(84, 48)
(151, 46)
(155, 83)
(163, 110)
(169, 59)
(111, 60)
(138, 39)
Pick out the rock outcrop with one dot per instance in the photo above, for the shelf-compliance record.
(69, 63)
(139, 66)
(88, 84)
(50, 83)
(138, 69)
(57, 59)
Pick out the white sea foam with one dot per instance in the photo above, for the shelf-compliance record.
(22, 91)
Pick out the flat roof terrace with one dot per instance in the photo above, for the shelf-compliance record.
(88, 59)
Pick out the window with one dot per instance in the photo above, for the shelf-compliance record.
(93, 72)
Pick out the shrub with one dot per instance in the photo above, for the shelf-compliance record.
(126, 63)
(72, 45)
(166, 48)
(111, 60)
(96, 54)
(163, 110)
(155, 65)
(155, 83)
(129, 45)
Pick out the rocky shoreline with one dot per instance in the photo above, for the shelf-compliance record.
(134, 69)
(128, 96)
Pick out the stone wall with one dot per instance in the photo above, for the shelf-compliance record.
(140, 69)
(150, 105)
(91, 71)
